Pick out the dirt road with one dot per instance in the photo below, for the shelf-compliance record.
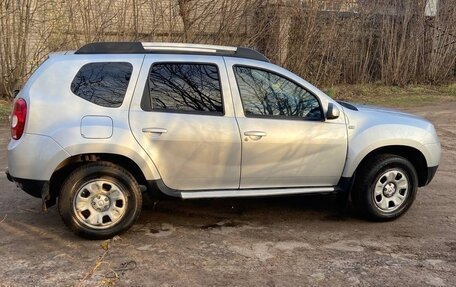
(264, 242)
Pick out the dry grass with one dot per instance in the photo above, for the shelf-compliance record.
(394, 96)
(5, 110)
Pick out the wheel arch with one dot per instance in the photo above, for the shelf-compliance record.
(412, 154)
(70, 164)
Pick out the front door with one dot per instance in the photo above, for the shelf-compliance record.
(185, 122)
(286, 141)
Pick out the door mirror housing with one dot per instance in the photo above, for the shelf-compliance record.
(333, 112)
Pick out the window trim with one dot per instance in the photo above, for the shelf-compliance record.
(147, 106)
(322, 118)
(104, 62)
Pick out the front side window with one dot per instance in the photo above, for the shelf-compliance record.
(266, 94)
(186, 88)
(103, 84)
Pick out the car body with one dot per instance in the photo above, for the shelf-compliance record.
(202, 121)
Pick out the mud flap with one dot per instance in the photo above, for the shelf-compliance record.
(46, 199)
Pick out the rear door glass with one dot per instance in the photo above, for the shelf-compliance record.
(184, 88)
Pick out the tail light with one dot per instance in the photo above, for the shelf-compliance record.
(18, 117)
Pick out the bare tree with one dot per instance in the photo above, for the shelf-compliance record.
(326, 41)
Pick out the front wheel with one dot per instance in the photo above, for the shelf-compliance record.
(100, 200)
(385, 187)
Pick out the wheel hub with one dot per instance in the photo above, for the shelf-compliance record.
(389, 189)
(101, 202)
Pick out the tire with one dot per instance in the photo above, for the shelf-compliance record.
(99, 200)
(385, 187)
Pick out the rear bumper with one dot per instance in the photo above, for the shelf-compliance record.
(30, 186)
(34, 157)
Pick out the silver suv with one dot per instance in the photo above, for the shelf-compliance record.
(97, 127)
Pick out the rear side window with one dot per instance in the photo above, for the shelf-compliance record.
(184, 88)
(103, 84)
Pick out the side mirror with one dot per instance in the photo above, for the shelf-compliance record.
(333, 112)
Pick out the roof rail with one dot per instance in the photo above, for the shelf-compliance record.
(169, 48)
(187, 47)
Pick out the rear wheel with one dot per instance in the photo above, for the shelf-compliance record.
(385, 187)
(100, 200)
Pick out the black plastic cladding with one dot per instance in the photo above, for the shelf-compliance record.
(137, 48)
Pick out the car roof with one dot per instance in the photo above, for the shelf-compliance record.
(169, 48)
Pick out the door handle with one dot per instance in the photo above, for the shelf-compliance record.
(255, 134)
(154, 130)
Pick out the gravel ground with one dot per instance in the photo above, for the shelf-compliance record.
(286, 241)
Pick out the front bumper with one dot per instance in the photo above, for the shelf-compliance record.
(431, 173)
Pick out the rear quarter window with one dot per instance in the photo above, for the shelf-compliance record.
(103, 84)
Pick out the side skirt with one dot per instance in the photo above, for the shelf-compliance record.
(254, 192)
(160, 186)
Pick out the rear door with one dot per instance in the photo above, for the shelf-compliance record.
(182, 115)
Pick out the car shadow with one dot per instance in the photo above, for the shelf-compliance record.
(207, 213)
